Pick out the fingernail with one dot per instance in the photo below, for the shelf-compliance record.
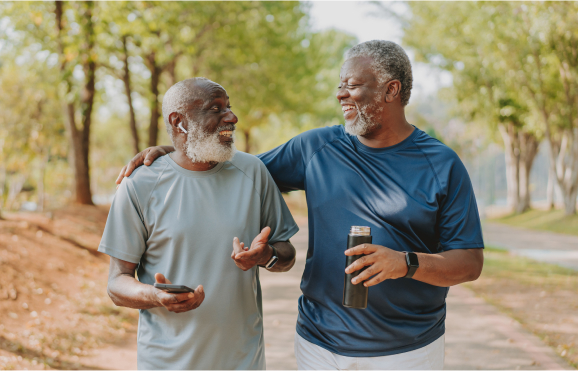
(191, 294)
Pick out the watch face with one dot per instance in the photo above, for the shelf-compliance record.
(412, 260)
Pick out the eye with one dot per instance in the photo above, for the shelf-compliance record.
(215, 108)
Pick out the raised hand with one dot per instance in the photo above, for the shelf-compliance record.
(178, 303)
(258, 254)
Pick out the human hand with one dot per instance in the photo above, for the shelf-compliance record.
(146, 157)
(178, 303)
(258, 254)
(383, 263)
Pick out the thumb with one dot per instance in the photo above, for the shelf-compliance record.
(160, 278)
(264, 235)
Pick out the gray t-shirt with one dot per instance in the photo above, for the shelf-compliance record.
(181, 223)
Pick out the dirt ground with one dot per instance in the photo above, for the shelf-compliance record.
(54, 310)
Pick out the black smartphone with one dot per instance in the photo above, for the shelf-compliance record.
(173, 289)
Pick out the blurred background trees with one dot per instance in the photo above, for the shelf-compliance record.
(82, 84)
(515, 71)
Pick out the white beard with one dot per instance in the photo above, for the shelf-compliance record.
(205, 147)
(362, 126)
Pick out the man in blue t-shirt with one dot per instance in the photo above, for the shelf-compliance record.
(414, 193)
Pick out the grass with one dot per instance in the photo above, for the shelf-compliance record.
(553, 221)
(542, 297)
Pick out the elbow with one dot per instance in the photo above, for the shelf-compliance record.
(112, 295)
(477, 268)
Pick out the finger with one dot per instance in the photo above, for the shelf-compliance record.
(245, 248)
(362, 249)
(160, 278)
(192, 303)
(237, 248)
(365, 275)
(120, 176)
(168, 300)
(375, 280)
(359, 264)
(152, 154)
(249, 254)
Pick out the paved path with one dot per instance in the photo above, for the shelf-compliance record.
(477, 336)
(545, 246)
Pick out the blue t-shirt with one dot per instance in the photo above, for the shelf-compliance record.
(415, 196)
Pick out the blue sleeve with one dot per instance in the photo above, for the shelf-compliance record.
(286, 164)
(459, 220)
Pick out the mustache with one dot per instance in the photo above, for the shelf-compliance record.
(230, 127)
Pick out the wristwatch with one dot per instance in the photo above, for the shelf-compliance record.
(412, 264)
(273, 260)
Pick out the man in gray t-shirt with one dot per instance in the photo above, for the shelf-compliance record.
(181, 220)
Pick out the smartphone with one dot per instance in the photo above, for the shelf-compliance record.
(173, 289)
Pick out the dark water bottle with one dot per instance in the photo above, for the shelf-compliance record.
(355, 296)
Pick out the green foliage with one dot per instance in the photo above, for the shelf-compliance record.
(279, 74)
(553, 221)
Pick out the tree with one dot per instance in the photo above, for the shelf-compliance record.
(462, 38)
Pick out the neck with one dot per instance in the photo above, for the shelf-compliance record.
(393, 128)
(183, 161)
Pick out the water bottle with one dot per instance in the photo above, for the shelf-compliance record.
(355, 296)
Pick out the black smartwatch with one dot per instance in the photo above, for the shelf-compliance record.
(273, 260)
(412, 264)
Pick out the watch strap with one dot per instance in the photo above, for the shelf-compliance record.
(273, 260)
(411, 267)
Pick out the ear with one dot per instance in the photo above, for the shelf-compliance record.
(392, 90)
(175, 119)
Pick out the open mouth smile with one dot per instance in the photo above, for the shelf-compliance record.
(226, 133)
(348, 110)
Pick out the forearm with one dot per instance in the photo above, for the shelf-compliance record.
(450, 268)
(126, 291)
(286, 254)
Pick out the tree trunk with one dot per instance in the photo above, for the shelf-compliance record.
(512, 156)
(550, 188)
(80, 139)
(154, 100)
(528, 150)
(128, 91)
(247, 140)
(570, 202)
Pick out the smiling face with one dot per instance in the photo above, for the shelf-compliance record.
(210, 124)
(360, 96)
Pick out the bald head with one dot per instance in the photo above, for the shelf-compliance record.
(182, 95)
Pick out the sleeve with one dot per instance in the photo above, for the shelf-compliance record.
(274, 211)
(125, 233)
(287, 165)
(459, 221)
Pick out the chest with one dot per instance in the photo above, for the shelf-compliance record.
(398, 190)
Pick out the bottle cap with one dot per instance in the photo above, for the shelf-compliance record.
(359, 231)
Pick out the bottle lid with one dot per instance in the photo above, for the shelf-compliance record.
(359, 231)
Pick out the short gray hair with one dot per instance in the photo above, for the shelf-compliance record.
(389, 61)
(177, 99)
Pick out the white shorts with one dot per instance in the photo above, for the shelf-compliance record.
(312, 357)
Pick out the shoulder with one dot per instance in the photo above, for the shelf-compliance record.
(443, 160)
(316, 138)
(252, 167)
(143, 179)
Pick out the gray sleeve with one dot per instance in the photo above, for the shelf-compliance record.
(125, 233)
(274, 211)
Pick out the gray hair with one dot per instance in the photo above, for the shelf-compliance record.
(389, 61)
(177, 99)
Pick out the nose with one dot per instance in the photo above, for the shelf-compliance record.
(342, 93)
(231, 118)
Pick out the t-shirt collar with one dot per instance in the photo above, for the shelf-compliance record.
(396, 147)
